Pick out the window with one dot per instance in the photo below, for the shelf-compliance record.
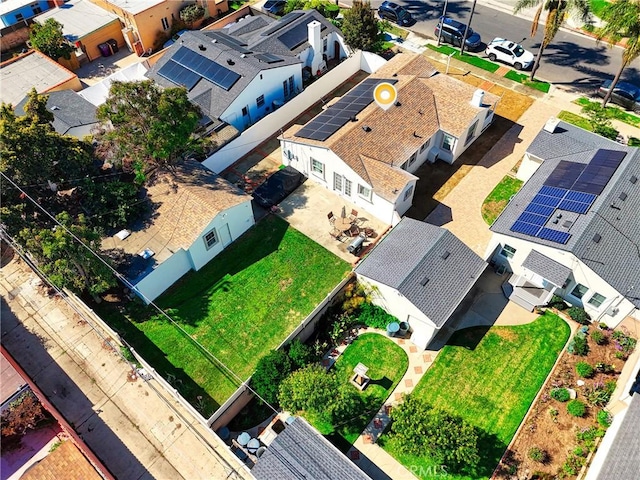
(292, 84)
(412, 159)
(165, 23)
(324, 44)
(364, 192)
(285, 88)
(210, 239)
(408, 193)
(425, 146)
(289, 154)
(347, 187)
(337, 182)
(404, 165)
(471, 134)
(448, 142)
(317, 167)
(579, 290)
(596, 300)
(36, 8)
(260, 101)
(508, 251)
(245, 111)
(19, 17)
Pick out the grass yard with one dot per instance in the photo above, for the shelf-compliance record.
(616, 113)
(597, 6)
(523, 78)
(499, 197)
(489, 378)
(239, 306)
(577, 120)
(470, 59)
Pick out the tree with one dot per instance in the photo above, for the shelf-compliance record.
(622, 21)
(271, 370)
(418, 428)
(150, 125)
(600, 124)
(557, 11)
(48, 39)
(112, 203)
(360, 26)
(65, 260)
(191, 13)
(23, 414)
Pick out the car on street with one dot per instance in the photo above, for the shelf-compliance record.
(395, 13)
(506, 51)
(453, 31)
(274, 7)
(624, 94)
(278, 186)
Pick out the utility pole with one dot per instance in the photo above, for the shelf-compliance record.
(444, 14)
(466, 30)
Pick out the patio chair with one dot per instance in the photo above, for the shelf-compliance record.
(336, 233)
(353, 216)
(354, 231)
(331, 217)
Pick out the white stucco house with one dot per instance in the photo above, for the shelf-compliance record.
(369, 155)
(420, 273)
(574, 228)
(194, 215)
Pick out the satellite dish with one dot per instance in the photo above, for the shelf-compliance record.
(385, 95)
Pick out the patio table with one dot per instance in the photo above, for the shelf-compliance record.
(343, 224)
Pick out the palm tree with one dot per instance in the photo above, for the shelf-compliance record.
(556, 13)
(622, 22)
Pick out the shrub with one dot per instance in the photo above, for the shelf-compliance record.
(603, 326)
(571, 466)
(537, 455)
(579, 315)
(600, 393)
(375, 317)
(554, 414)
(584, 369)
(558, 303)
(576, 408)
(300, 354)
(560, 394)
(191, 13)
(271, 370)
(588, 436)
(633, 142)
(624, 344)
(604, 367)
(578, 346)
(604, 418)
(598, 337)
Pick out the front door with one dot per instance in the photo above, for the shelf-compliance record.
(225, 234)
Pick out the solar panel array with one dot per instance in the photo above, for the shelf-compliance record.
(268, 58)
(283, 22)
(571, 187)
(296, 36)
(187, 67)
(338, 114)
(229, 41)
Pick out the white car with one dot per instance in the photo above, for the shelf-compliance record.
(509, 52)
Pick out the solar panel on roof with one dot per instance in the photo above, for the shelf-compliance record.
(296, 36)
(599, 171)
(553, 191)
(283, 22)
(554, 235)
(202, 66)
(539, 209)
(565, 174)
(179, 75)
(577, 207)
(526, 228)
(229, 41)
(532, 218)
(546, 200)
(580, 197)
(268, 58)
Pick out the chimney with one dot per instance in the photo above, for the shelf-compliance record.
(478, 98)
(551, 125)
(315, 41)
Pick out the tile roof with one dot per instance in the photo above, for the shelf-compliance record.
(615, 257)
(67, 462)
(548, 268)
(428, 102)
(298, 452)
(69, 110)
(415, 251)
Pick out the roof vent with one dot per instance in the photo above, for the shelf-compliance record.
(243, 55)
(424, 281)
(567, 224)
(230, 62)
(398, 104)
(596, 238)
(478, 98)
(445, 255)
(415, 134)
(353, 118)
(559, 215)
(394, 75)
(214, 40)
(55, 107)
(633, 179)
(366, 128)
(623, 196)
(551, 125)
(202, 47)
(556, 221)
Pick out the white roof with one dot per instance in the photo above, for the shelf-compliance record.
(135, 6)
(97, 94)
(78, 18)
(34, 69)
(11, 5)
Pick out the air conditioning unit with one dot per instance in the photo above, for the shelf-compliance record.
(612, 312)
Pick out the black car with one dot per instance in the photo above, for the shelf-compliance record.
(453, 31)
(277, 187)
(275, 7)
(395, 13)
(624, 94)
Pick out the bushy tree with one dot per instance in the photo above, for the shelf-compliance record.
(48, 39)
(112, 203)
(300, 354)
(600, 124)
(360, 26)
(271, 370)
(24, 413)
(191, 13)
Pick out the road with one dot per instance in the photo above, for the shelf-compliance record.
(573, 60)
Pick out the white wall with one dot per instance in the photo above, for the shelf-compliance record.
(81, 131)
(528, 167)
(164, 275)
(581, 274)
(267, 83)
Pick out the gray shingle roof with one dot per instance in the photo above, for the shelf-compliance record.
(414, 251)
(551, 270)
(615, 257)
(69, 110)
(623, 459)
(301, 452)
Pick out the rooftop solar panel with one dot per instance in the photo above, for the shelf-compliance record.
(580, 197)
(532, 218)
(283, 22)
(526, 228)
(565, 174)
(268, 58)
(546, 200)
(229, 41)
(599, 171)
(203, 67)
(539, 209)
(179, 75)
(553, 191)
(577, 207)
(554, 235)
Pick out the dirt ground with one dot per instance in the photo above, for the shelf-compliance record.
(556, 434)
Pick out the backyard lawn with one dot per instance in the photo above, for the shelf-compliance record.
(489, 378)
(239, 306)
(499, 197)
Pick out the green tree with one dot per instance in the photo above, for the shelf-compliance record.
(557, 11)
(271, 370)
(65, 260)
(600, 124)
(150, 125)
(622, 21)
(48, 39)
(360, 26)
(191, 14)
(112, 203)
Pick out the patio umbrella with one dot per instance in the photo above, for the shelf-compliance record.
(343, 213)
(244, 438)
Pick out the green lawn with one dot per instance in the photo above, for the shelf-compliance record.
(387, 364)
(577, 120)
(613, 112)
(597, 6)
(497, 200)
(470, 59)
(489, 378)
(239, 306)
(523, 78)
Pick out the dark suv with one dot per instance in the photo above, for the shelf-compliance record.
(453, 31)
(395, 13)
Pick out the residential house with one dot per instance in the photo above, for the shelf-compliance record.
(573, 229)
(145, 22)
(194, 215)
(420, 273)
(86, 26)
(295, 450)
(34, 70)
(16, 11)
(369, 155)
(98, 93)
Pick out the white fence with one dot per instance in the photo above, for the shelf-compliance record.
(269, 125)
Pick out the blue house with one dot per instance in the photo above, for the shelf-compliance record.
(15, 11)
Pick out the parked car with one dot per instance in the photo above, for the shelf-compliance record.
(277, 187)
(453, 31)
(395, 13)
(624, 94)
(274, 7)
(174, 39)
(509, 52)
